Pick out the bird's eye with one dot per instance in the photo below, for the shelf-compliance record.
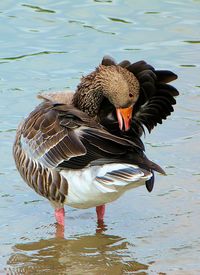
(130, 95)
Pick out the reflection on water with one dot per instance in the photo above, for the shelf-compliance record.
(89, 254)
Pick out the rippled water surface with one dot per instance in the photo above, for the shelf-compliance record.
(49, 45)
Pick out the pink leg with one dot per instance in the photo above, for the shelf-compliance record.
(100, 212)
(60, 231)
(60, 216)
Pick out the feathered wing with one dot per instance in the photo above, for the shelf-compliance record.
(156, 98)
(63, 137)
(46, 140)
(60, 136)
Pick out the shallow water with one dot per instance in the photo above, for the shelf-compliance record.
(49, 45)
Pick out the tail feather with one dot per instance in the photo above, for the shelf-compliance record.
(150, 183)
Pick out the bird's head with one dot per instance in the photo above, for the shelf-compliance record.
(121, 88)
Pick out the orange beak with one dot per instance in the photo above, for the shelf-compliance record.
(124, 116)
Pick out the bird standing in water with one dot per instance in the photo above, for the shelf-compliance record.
(84, 149)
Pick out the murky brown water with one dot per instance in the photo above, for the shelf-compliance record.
(48, 45)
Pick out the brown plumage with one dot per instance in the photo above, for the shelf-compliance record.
(115, 83)
(74, 132)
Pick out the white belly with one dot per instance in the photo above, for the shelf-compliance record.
(87, 187)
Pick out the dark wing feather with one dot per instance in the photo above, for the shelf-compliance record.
(165, 76)
(102, 148)
(61, 136)
(108, 61)
(156, 98)
(124, 63)
(139, 66)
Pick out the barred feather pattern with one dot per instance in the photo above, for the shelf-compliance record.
(47, 182)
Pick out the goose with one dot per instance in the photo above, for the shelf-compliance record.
(84, 148)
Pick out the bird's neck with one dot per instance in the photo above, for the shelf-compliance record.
(89, 95)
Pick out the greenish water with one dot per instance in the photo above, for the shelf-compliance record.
(48, 45)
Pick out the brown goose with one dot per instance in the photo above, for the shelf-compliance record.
(84, 149)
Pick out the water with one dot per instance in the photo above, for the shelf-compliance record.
(48, 45)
